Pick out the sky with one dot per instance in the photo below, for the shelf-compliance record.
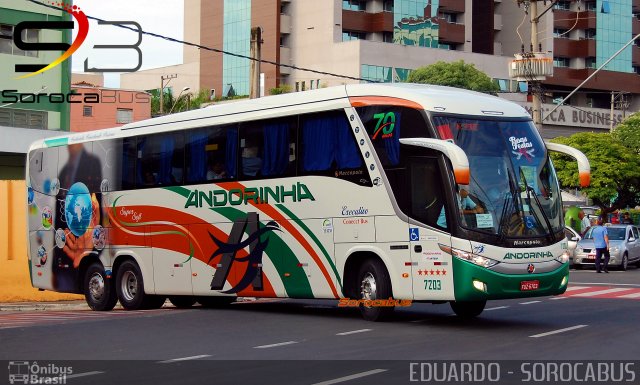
(159, 16)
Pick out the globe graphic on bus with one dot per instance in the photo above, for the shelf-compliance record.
(78, 210)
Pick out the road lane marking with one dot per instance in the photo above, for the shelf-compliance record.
(632, 295)
(529, 303)
(275, 345)
(496, 308)
(599, 292)
(353, 332)
(557, 298)
(83, 374)
(573, 288)
(351, 377)
(183, 359)
(609, 284)
(558, 331)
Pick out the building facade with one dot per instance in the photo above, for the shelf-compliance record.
(383, 40)
(113, 107)
(34, 107)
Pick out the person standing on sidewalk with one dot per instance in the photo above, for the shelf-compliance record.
(601, 243)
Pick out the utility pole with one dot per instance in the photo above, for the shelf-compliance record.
(532, 66)
(535, 90)
(162, 85)
(613, 101)
(256, 43)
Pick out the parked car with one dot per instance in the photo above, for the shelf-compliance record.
(572, 242)
(624, 247)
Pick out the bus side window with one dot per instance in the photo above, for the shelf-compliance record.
(210, 154)
(160, 160)
(329, 148)
(266, 148)
(129, 156)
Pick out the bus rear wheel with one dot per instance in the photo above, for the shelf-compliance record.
(468, 309)
(130, 289)
(374, 284)
(98, 289)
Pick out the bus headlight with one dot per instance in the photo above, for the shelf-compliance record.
(564, 258)
(473, 258)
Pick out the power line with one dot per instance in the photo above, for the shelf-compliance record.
(173, 40)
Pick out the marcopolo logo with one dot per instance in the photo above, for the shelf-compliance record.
(531, 255)
(68, 49)
(26, 372)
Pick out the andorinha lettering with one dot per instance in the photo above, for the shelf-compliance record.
(539, 254)
(257, 195)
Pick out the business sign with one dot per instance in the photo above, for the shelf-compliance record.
(584, 117)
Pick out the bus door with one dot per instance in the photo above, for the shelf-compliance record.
(432, 274)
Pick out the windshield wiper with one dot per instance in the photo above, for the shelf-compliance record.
(530, 189)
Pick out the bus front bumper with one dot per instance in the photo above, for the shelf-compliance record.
(473, 282)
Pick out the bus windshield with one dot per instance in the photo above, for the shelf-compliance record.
(514, 190)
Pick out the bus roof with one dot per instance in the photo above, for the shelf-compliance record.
(438, 99)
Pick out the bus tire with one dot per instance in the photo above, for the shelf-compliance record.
(98, 289)
(468, 309)
(374, 283)
(182, 301)
(130, 288)
(153, 301)
(216, 302)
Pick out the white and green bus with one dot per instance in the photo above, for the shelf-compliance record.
(366, 192)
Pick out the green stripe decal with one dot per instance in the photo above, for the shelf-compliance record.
(55, 142)
(297, 284)
(315, 239)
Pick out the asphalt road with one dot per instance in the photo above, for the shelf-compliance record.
(308, 342)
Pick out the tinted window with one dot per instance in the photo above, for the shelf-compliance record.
(328, 147)
(267, 148)
(387, 124)
(210, 154)
(160, 160)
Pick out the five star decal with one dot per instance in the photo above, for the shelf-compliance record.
(432, 272)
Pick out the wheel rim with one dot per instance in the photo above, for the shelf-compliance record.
(96, 286)
(129, 286)
(368, 288)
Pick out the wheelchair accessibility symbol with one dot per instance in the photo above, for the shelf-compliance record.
(414, 234)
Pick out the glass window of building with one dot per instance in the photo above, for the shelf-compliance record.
(561, 62)
(236, 39)
(7, 45)
(560, 32)
(87, 111)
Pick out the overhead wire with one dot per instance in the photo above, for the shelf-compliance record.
(206, 48)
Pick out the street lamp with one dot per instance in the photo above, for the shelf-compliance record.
(185, 89)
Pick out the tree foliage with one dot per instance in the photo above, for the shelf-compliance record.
(615, 170)
(455, 74)
(628, 132)
(186, 101)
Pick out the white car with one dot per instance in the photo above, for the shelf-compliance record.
(572, 238)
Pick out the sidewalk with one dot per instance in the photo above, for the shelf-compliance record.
(44, 306)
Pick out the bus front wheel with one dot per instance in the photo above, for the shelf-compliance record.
(98, 289)
(130, 289)
(468, 309)
(374, 284)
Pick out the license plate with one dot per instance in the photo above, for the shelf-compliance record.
(591, 257)
(529, 285)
